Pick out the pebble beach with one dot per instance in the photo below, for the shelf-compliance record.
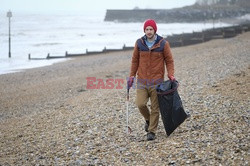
(48, 116)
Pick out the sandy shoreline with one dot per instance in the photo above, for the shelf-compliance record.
(48, 116)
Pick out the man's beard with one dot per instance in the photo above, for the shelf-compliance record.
(150, 36)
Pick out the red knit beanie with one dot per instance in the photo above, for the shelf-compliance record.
(151, 23)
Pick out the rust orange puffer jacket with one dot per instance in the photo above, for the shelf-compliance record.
(149, 64)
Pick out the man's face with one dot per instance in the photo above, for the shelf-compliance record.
(150, 32)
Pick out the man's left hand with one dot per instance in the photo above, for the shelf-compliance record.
(171, 78)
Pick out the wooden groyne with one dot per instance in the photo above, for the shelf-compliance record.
(69, 55)
(175, 40)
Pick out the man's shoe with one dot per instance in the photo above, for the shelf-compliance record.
(150, 136)
(146, 125)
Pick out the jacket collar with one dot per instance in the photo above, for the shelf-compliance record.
(157, 42)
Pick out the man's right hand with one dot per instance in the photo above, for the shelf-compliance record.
(130, 82)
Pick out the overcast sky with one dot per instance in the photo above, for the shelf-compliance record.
(87, 5)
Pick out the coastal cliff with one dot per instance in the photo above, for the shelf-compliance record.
(195, 13)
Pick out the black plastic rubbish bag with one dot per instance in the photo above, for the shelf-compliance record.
(171, 108)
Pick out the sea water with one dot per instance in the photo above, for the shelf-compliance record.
(40, 34)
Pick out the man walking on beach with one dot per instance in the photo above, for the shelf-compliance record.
(151, 54)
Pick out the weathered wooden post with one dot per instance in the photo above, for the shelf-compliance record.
(9, 15)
